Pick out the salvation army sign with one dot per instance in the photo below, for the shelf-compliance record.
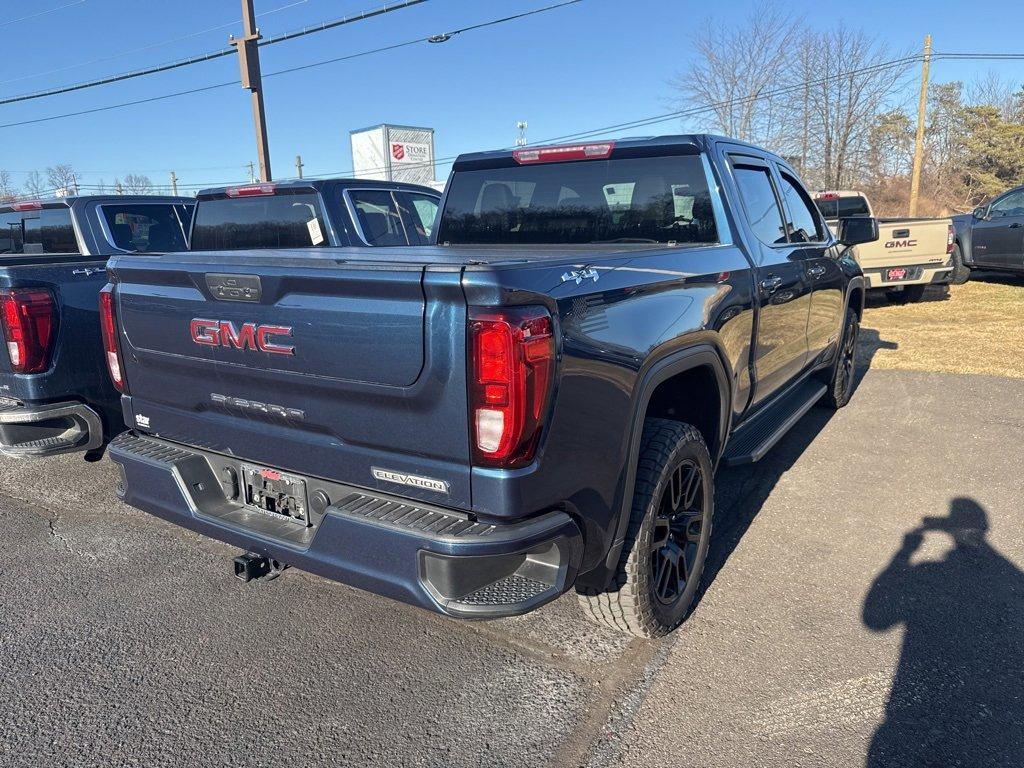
(410, 152)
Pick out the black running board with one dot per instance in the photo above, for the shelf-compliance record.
(753, 440)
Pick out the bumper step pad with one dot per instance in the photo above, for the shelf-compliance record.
(45, 430)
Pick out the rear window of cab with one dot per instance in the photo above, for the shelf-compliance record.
(283, 220)
(663, 199)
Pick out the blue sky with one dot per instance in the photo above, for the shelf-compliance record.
(596, 63)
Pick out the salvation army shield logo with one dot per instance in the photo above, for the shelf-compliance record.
(398, 151)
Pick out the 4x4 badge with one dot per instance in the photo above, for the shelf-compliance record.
(579, 275)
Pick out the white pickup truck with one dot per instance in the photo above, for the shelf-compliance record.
(909, 255)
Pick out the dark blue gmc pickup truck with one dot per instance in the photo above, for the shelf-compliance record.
(534, 404)
(55, 395)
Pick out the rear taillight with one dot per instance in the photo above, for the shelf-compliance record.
(950, 238)
(30, 326)
(512, 357)
(111, 350)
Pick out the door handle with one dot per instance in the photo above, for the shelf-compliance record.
(816, 271)
(771, 284)
(1015, 225)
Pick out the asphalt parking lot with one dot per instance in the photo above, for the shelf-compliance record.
(864, 606)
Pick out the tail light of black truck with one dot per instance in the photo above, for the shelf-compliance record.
(111, 349)
(512, 356)
(29, 318)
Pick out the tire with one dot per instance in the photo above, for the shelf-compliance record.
(961, 272)
(841, 383)
(666, 546)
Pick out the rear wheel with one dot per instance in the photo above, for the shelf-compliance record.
(961, 272)
(667, 541)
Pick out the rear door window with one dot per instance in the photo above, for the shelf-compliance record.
(41, 231)
(379, 219)
(760, 203)
(144, 228)
(285, 219)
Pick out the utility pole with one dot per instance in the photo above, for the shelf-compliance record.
(174, 184)
(922, 105)
(252, 172)
(249, 65)
(298, 166)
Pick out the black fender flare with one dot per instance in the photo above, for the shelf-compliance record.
(856, 282)
(698, 356)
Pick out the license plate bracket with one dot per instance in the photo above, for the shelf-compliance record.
(896, 274)
(276, 494)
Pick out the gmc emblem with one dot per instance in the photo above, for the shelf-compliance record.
(901, 243)
(222, 333)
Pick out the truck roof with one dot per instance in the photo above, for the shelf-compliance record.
(82, 199)
(693, 141)
(319, 184)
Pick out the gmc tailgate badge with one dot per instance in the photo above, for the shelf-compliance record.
(426, 483)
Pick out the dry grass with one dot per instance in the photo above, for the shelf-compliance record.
(974, 328)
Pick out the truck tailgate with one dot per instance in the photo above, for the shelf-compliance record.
(323, 368)
(906, 242)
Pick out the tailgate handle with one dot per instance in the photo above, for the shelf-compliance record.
(234, 287)
(898, 233)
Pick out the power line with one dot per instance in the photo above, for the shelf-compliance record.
(291, 69)
(41, 13)
(209, 56)
(443, 37)
(151, 46)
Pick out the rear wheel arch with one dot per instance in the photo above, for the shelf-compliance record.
(701, 361)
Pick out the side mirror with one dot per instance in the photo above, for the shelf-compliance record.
(857, 229)
(980, 213)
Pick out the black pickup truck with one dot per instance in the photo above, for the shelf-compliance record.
(991, 236)
(55, 395)
(536, 403)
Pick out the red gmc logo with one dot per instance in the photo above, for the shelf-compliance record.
(222, 333)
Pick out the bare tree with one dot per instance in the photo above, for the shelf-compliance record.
(62, 176)
(101, 188)
(7, 190)
(993, 90)
(34, 184)
(736, 72)
(849, 79)
(136, 184)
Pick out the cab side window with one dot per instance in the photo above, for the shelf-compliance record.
(379, 218)
(760, 202)
(806, 226)
(1011, 205)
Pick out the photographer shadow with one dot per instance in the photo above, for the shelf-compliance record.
(957, 696)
